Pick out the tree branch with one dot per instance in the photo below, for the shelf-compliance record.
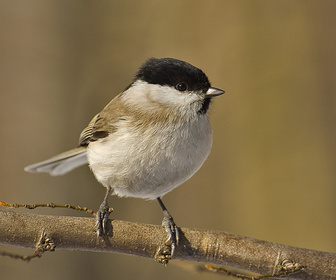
(213, 247)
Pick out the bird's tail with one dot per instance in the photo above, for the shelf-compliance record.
(60, 164)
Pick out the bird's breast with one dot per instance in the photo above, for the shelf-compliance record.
(149, 162)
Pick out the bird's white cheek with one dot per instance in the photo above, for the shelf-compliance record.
(149, 97)
(168, 96)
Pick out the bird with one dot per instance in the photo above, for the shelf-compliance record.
(147, 140)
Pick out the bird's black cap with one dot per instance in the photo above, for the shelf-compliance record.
(170, 72)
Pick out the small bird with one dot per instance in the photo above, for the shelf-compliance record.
(148, 140)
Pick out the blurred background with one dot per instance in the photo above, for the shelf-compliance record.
(272, 171)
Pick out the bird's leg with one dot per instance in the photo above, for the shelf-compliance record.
(166, 253)
(103, 214)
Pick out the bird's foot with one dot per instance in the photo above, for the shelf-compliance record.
(165, 253)
(102, 221)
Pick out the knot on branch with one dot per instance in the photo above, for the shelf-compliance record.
(44, 244)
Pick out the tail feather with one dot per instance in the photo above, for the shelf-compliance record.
(60, 164)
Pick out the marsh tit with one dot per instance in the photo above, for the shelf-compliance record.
(148, 140)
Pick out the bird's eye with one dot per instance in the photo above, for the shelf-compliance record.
(181, 86)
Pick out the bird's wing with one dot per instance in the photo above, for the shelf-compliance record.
(102, 124)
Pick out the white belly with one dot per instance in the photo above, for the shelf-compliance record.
(150, 163)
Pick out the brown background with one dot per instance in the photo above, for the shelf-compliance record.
(271, 174)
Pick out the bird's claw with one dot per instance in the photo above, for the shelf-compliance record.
(102, 219)
(166, 252)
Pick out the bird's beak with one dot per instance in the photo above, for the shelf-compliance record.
(212, 92)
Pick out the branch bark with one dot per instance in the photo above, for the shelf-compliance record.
(213, 247)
